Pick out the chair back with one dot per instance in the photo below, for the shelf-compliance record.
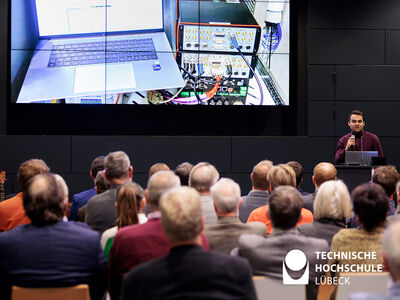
(362, 282)
(79, 292)
(267, 288)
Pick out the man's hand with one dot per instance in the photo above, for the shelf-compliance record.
(351, 142)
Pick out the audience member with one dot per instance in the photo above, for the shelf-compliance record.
(322, 172)
(130, 202)
(266, 255)
(391, 262)
(387, 177)
(371, 207)
(183, 171)
(12, 212)
(139, 243)
(202, 177)
(158, 167)
(188, 272)
(332, 206)
(223, 236)
(82, 198)
(298, 170)
(259, 193)
(50, 252)
(100, 211)
(101, 184)
(279, 175)
(154, 169)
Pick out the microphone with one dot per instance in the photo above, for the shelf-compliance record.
(352, 137)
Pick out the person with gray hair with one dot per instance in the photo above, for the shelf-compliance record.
(195, 273)
(223, 236)
(100, 212)
(332, 206)
(50, 252)
(202, 177)
(391, 263)
(136, 244)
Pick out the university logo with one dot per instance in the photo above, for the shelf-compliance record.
(295, 261)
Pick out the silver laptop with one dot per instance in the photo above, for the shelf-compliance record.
(91, 47)
(359, 157)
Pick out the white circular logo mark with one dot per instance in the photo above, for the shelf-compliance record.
(296, 260)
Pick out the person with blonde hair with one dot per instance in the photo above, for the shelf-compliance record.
(130, 202)
(187, 271)
(332, 206)
(280, 175)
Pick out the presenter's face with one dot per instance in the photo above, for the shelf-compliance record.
(356, 123)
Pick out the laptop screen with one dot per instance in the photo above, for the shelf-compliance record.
(66, 17)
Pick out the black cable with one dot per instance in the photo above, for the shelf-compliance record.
(255, 76)
(195, 93)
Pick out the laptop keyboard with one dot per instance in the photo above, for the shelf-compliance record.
(88, 53)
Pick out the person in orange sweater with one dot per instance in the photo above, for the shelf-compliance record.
(279, 175)
(12, 212)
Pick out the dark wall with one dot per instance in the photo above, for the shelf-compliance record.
(352, 62)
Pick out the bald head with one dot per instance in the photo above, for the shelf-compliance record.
(203, 176)
(259, 175)
(44, 199)
(324, 172)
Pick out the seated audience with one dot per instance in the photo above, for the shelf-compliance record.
(371, 207)
(82, 198)
(12, 211)
(202, 177)
(130, 202)
(387, 177)
(279, 175)
(101, 184)
(139, 243)
(259, 193)
(223, 236)
(183, 171)
(100, 211)
(391, 262)
(298, 169)
(50, 252)
(332, 206)
(322, 172)
(188, 272)
(266, 255)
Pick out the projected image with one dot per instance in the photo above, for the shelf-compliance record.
(134, 52)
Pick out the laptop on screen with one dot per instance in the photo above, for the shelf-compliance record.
(91, 47)
(359, 157)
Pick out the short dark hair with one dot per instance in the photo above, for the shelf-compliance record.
(44, 199)
(387, 177)
(285, 204)
(28, 169)
(370, 205)
(101, 183)
(358, 113)
(97, 166)
(298, 169)
(183, 171)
